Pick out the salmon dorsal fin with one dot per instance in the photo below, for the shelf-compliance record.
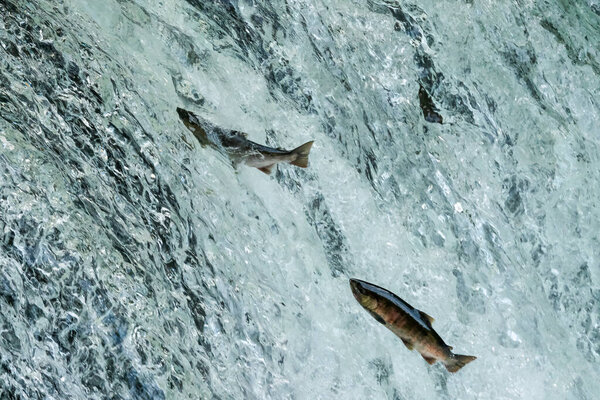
(427, 317)
(408, 344)
(238, 133)
(267, 170)
(430, 360)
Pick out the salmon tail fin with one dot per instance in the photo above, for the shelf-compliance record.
(457, 361)
(302, 155)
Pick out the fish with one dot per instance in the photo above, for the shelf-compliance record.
(411, 325)
(241, 150)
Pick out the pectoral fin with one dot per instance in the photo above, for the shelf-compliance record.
(377, 317)
(267, 170)
(430, 360)
(408, 344)
(189, 145)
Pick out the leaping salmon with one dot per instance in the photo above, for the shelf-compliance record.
(409, 324)
(239, 148)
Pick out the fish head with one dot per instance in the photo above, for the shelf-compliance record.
(188, 118)
(363, 294)
(192, 122)
(183, 114)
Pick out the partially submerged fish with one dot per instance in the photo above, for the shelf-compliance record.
(239, 148)
(409, 324)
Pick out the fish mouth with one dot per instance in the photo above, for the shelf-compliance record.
(364, 294)
(358, 288)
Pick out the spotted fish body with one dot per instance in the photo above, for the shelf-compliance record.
(240, 149)
(408, 323)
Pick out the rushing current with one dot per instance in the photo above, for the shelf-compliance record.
(456, 163)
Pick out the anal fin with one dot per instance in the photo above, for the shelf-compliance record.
(409, 345)
(430, 360)
(267, 169)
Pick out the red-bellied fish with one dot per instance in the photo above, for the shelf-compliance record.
(409, 324)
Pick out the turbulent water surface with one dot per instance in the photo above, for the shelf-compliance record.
(456, 163)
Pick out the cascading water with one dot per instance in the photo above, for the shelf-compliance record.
(456, 163)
